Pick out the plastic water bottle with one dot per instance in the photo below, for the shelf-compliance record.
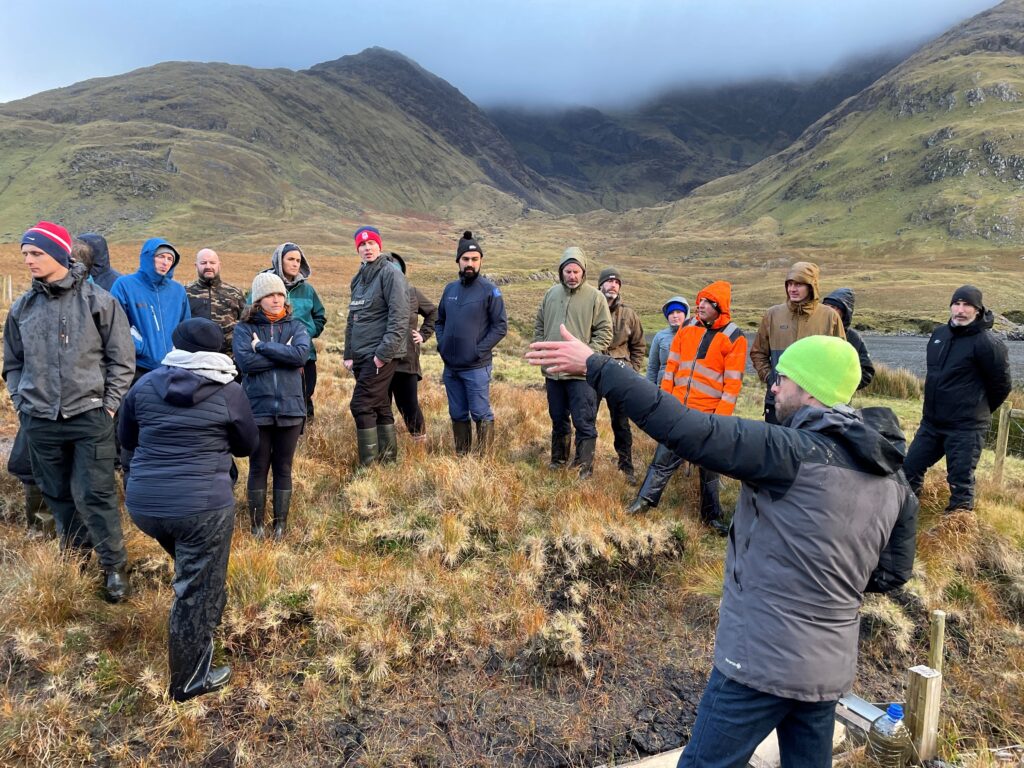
(889, 740)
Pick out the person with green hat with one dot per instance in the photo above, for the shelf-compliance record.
(824, 515)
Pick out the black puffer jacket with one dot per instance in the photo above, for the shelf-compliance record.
(968, 374)
(273, 371)
(843, 300)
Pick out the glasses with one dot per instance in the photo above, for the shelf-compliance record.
(780, 378)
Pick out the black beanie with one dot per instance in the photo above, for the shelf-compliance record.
(198, 335)
(467, 243)
(970, 294)
(608, 273)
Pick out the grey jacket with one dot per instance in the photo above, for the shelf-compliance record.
(824, 515)
(378, 312)
(67, 348)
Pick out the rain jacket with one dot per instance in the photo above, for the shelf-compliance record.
(67, 349)
(705, 365)
(824, 514)
(785, 323)
(154, 304)
(306, 305)
(662, 343)
(101, 272)
(272, 373)
(184, 429)
(968, 374)
(583, 310)
(627, 335)
(471, 321)
(378, 312)
(842, 299)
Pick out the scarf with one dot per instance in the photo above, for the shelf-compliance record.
(274, 318)
(210, 365)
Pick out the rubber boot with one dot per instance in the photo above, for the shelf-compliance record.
(585, 457)
(367, 440)
(37, 515)
(559, 451)
(463, 432)
(257, 510)
(204, 679)
(484, 437)
(116, 585)
(282, 504)
(387, 443)
(639, 506)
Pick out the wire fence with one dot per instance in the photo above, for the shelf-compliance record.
(1009, 437)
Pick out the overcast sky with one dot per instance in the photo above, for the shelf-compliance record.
(527, 52)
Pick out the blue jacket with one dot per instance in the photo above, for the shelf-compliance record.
(154, 303)
(471, 321)
(184, 429)
(273, 372)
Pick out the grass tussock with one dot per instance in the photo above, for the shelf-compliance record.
(896, 383)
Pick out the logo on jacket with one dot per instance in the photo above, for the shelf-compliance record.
(733, 663)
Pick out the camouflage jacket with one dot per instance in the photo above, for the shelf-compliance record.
(217, 301)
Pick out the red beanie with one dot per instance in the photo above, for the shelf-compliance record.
(368, 233)
(51, 238)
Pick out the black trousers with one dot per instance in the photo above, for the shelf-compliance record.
(623, 435)
(405, 390)
(275, 451)
(199, 545)
(73, 464)
(309, 384)
(962, 449)
(371, 398)
(572, 403)
(663, 466)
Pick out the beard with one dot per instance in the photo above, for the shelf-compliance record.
(467, 275)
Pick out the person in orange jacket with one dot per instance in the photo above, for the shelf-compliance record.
(705, 372)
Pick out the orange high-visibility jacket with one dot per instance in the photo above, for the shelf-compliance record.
(705, 365)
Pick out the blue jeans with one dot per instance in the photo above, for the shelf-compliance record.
(469, 394)
(572, 399)
(733, 719)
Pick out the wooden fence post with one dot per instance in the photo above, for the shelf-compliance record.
(8, 290)
(1002, 441)
(924, 694)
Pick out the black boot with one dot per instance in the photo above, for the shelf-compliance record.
(463, 433)
(282, 503)
(37, 515)
(257, 510)
(116, 585)
(387, 443)
(585, 456)
(559, 451)
(484, 437)
(367, 441)
(204, 679)
(663, 466)
(639, 506)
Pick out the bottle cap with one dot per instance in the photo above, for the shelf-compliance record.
(895, 711)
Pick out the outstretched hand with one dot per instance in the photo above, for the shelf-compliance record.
(569, 356)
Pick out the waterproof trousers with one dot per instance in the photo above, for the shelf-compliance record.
(371, 399)
(623, 435)
(572, 403)
(199, 545)
(962, 449)
(663, 466)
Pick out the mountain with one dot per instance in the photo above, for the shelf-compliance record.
(666, 147)
(933, 150)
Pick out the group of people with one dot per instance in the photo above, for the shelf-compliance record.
(827, 507)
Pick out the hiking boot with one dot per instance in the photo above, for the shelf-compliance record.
(366, 440)
(463, 434)
(116, 585)
(257, 502)
(718, 525)
(484, 437)
(387, 443)
(282, 503)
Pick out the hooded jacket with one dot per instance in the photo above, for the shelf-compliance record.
(824, 514)
(842, 300)
(583, 310)
(968, 374)
(471, 320)
(101, 272)
(661, 344)
(154, 304)
(378, 312)
(705, 364)
(306, 305)
(184, 429)
(217, 301)
(67, 349)
(272, 373)
(785, 323)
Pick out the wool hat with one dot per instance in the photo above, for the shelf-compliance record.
(266, 283)
(970, 294)
(608, 273)
(826, 367)
(467, 243)
(51, 238)
(198, 335)
(368, 233)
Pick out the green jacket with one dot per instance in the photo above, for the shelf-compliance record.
(306, 305)
(583, 310)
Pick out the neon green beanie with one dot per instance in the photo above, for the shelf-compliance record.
(826, 367)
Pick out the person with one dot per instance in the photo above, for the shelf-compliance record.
(704, 372)
(675, 311)
(824, 515)
(68, 362)
(627, 344)
(967, 378)
(210, 297)
(38, 518)
(270, 349)
(153, 303)
(802, 315)
(471, 320)
(289, 263)
(375, 336)
(584, 311)
(842, 300)
(404, 388)
(96, 256)
(184, 421)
